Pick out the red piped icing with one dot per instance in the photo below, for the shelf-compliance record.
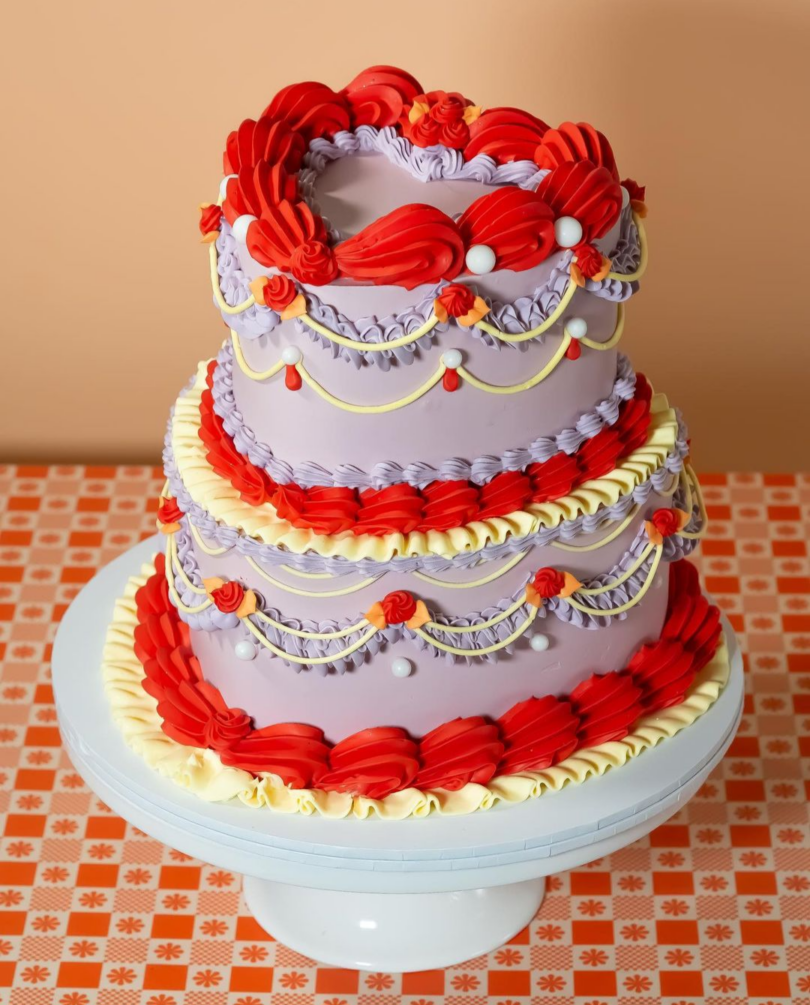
(575, 141)
(517, 224)
(585, 191)
(530, 736)
(415, 244)
(505, 134)
(440, 505)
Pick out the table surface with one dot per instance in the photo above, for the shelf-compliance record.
(714, 906)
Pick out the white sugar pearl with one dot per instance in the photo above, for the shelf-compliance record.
(452, 359)
(576, 327)
(625, 197)
(245, 650)
(480, 259)
(402, 667)
(223, 186)
(539, 643)
(291, 355)
(567, 231)
(241, 224)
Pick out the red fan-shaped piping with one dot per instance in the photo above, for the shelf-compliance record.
(587, 192)
(518, 225)
(575, 141)
(505, 134)
(311, 109)
(377, 96)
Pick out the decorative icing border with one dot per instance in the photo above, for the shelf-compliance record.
(418, 474)
(202, 770)
(194, 482)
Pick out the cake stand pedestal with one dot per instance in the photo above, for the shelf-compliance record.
(371, 894)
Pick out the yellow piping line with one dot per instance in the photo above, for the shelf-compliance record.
(565, 300)
(526, 385)
(596, 590)
(309, 660)
(391, 406)
(478, 582)
(307, 575)
(352, 343)
(308, 593)
(614, 338)
(605, 540)
(478, 652)
(174, 563)
(246, 369)
(203, 546)
(704, 518)
(463, 629)
(630, 603)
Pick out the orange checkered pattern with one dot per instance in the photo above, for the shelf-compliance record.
(712, 907)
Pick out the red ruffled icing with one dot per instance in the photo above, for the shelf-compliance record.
(410, 246)
(378, 95)
(266, 140)
(532, 735)
(311, 109)
(274, 239)
(585, 191)
(517, 224)
(575, 141)
(440, 505)
(505, 134)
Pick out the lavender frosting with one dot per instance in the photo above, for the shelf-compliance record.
(517, 317)
(211, 619)
(566, 530)
(419, 474)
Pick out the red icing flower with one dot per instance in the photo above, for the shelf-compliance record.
(636, 192)
(373, 763)
(590, 261)
(228, 598)
(314, 262)
(666, 521)
(457, 753)
(278, 292)
(439, 117)
(398, 607)
(549, 582)
(210, 217)
(457, 299)
(169, 511)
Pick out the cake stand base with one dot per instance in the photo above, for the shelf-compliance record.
(393, 896)
(393, 932)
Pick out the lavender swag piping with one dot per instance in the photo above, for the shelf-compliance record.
(211, 619)
(482, 470)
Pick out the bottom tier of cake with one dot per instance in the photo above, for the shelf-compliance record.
(182, 725)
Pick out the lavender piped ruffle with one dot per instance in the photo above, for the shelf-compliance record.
(599, 616)
(419, 474)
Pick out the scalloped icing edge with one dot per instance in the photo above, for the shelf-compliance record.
(202, 772)
(219, 498)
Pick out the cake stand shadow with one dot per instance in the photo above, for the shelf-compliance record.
(393, 896)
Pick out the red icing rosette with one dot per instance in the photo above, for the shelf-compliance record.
(459, 752)
(575, 141)
(516, 224)
(311, 109)
(607, 707)
(283, 229)
(373, 763)
(296, 753)
(412, 245)
(505, 134)
(537, 733)
(585, 191)
(378, 95)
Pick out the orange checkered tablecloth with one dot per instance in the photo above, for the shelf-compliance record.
(712, 907)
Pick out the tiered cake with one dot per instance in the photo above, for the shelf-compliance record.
(425, 525)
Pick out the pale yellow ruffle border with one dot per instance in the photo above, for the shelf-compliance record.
(219, 498)
(202, 772)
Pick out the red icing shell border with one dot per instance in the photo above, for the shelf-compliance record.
(416, 243)
(439, 506)
(534, 734)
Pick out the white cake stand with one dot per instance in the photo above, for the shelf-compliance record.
(371, 894)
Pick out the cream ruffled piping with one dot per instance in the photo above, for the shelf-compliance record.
(202, 772)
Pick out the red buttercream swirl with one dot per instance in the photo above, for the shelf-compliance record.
(210, 217)
(589, 259)
(398, 607)
(607, 707)
(169, 511)
(505, 134)
(575, 141)
(555, 477)
(314, 262)
(416, 244)
(459, 752)
(373, 763)
(587, 192)
(227, 598)
(448, 505)
(279, 292)
(457, 299)
(396, 509)
(378, 95)
(548, 582)
(666, 522)
(311, 109)
(508, 492)
(537, 733)
(532, 735)
(282, 229)
(517, 224)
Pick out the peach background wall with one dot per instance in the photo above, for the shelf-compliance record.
(113, 119)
